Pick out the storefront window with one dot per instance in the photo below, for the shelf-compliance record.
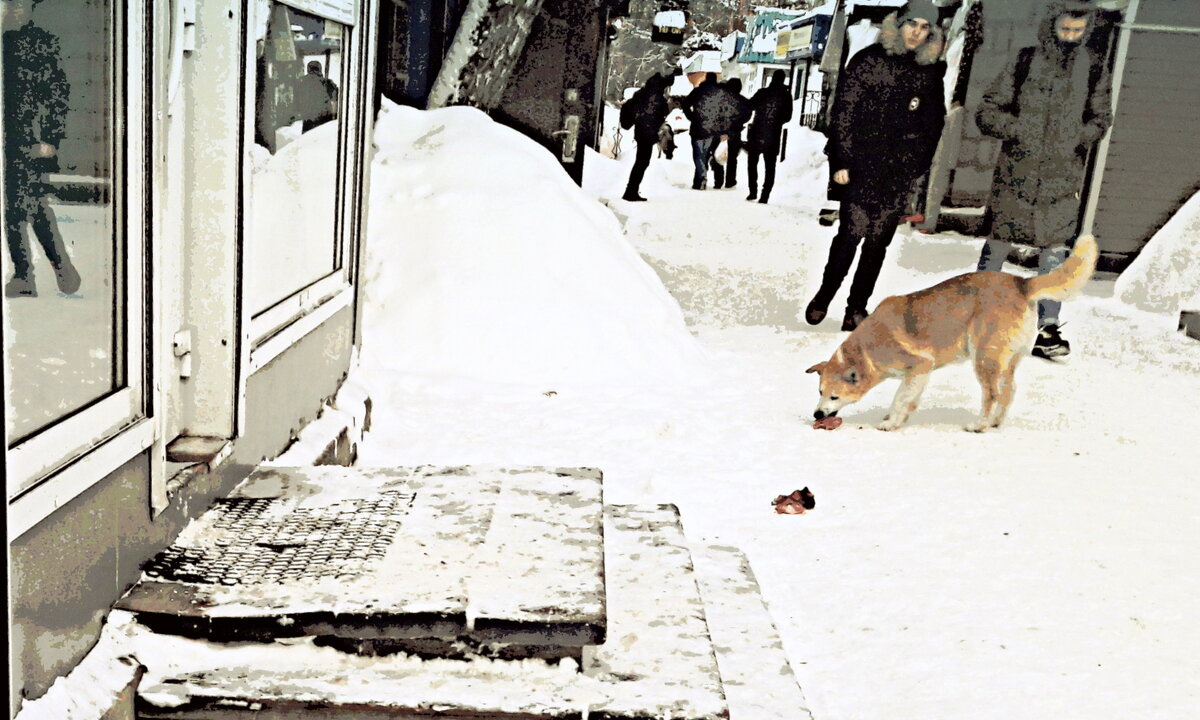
(66, 261)
(295, 169)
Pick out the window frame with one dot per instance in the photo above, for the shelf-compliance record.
(58, 462)
(271, 330)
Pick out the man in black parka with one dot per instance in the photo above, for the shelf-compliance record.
(1049, 106)
(733, 111)
(772, 107)
(35, 110)
(645, 112)
(887, 120)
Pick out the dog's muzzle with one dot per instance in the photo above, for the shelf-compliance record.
(821, 414)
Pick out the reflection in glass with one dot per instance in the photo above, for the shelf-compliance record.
(63, 339)
(292, 238)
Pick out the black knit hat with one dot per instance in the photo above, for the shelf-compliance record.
(924, 9)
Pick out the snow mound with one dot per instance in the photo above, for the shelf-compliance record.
(485, 261)
(1163, 278)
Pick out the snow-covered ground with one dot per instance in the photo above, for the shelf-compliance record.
(1046, 570)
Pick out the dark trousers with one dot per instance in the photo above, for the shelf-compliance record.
(641, 161)
(45, 229)
(701, 153)
(768, 174)
(875, 231)
(731, 163)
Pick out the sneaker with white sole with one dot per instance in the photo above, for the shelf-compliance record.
(1050, 343)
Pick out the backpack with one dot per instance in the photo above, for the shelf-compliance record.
(629, 111)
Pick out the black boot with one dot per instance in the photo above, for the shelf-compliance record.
(816, 311)
(753, 193)
(854, 318)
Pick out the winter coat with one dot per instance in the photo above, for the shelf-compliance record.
(772, 108)
(887, 118)
(1047, 125)
(35, 97)
(715, 110)
(648, 109)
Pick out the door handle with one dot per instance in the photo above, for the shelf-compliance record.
(570, 136)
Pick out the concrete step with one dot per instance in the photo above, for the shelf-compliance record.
(656, 663)
(432, 561)
(758, 679)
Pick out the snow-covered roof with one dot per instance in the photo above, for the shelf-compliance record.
(670, 18)
(703, 61)
(824, 9)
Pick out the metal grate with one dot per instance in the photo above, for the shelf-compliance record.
(264, 545)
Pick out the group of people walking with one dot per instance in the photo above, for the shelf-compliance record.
(716, 111)
(1048, 107)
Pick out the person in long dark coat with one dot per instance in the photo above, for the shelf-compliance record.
(772, 107)
(732, 111)
(35, 110)
(698, 106)
(1049, 106)
(887, 120)
(647, 111)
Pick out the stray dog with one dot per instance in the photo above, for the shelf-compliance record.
(989, 317)
(666, 141)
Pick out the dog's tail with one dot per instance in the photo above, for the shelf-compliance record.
(1070, 277)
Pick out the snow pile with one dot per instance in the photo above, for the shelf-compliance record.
(96, 684)
(1163, 278)
(485, 261)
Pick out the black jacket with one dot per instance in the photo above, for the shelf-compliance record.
(772, 107)
(715, 110)
(887, 119)
(35, 96)
(648, 108)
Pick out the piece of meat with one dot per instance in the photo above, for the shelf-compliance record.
(833, 422)
(796, 503)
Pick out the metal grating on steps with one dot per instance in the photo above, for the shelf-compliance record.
(433, 561)
(339, 541)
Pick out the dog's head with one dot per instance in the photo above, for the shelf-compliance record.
(845, 378)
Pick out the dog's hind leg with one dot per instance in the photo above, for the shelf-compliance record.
(998, 381)
(907, 397)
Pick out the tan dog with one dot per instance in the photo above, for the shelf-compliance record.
(990, 317)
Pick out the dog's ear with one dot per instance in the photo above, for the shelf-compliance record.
(816, 368)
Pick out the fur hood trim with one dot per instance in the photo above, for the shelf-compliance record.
(927, 54)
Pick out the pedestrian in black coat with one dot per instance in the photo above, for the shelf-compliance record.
(700, 106)
(645, 113)
(1049, 106)
(732, 112)
(772, 107)
(35, 110)
(887, 120)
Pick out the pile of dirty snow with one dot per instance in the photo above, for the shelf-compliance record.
(1163, 277)
(486, 261)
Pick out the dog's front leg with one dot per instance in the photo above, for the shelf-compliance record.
(907, 396)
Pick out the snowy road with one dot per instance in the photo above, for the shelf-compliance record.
(1047, 570)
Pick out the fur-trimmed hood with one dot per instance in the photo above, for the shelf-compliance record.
(1047, 24)
(927, 54)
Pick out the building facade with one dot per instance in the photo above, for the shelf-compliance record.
(209, 190)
